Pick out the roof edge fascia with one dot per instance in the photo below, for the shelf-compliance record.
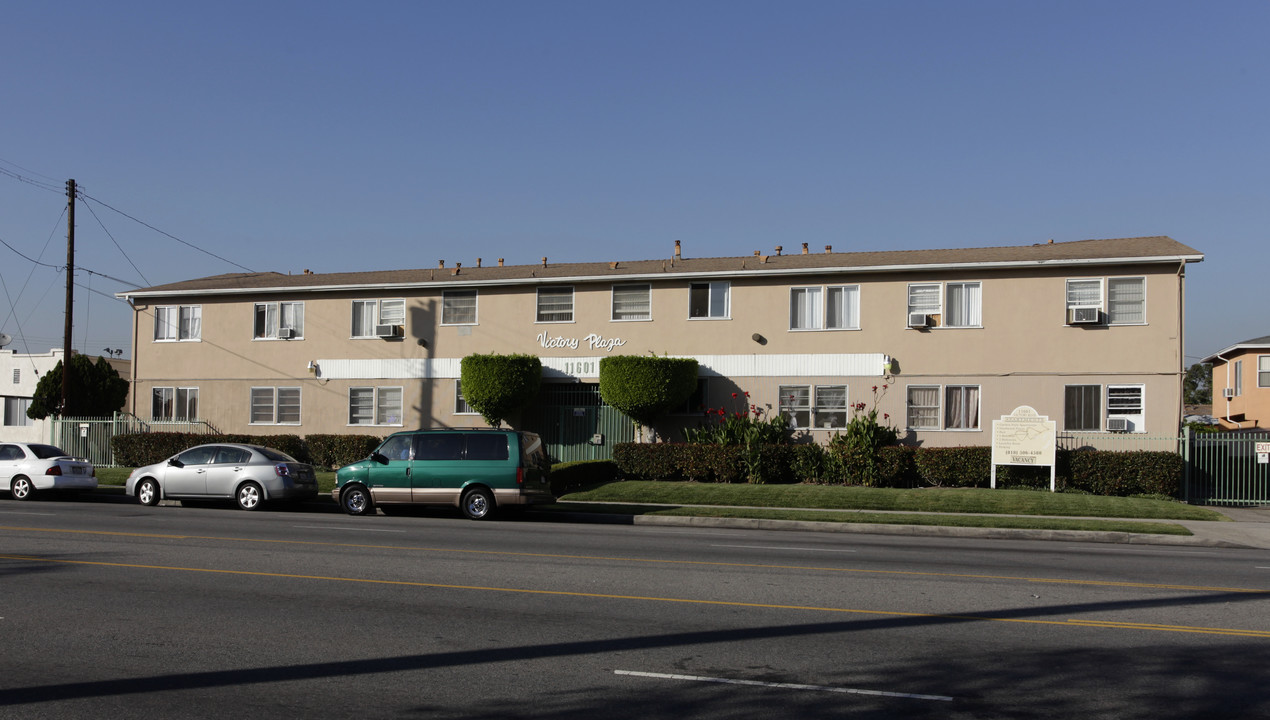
(747, 272)
(1234, 348)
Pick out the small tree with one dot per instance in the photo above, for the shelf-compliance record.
(498, 385)
(1197, 386)
(644, 388)
(96, 390)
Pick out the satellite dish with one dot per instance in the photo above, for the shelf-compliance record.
(5, 339)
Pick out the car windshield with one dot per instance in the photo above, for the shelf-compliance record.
(275, 455)
(44, 452)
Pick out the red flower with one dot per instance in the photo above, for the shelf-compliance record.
(747, 394)
(886, 416)
(875, 388)
(734, 395)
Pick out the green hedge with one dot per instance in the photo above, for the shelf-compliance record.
(324, 451)
(1099, 472)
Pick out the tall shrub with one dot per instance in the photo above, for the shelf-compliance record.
(498, 385)
(644, 388)
(858, 445)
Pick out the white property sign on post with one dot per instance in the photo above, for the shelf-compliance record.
(1024, 438)
(1263, 453)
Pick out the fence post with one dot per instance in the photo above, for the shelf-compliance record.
(1186, 463)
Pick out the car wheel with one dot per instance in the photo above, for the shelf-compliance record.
(355, 500)
(21, 488)
(250, 496)
(148, 493)
(478, 504)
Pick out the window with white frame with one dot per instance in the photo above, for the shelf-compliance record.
(1263, 371)
(369, 313)
(178, 322)
(1126, 301)
(174, 403)
(632, 302)
(963, 306)
(374, 406)
(1239, 378)
(923, 298)
(709, 300)
(275, 406)
(831, 406)
(555, 305)
(460, 403)
(1084, 293)
(1127, 401)
(1082, 407)
(279, 320)
(15, 412)
(458, 307)
(923, 407)
(795, 403)
(829, 308)
(961, 407)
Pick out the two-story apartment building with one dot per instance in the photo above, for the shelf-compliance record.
(1088, 333)
(1241, 384)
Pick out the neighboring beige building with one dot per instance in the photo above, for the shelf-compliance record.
(1088, 333)
(1241, 385)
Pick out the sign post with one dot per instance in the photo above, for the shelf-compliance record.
(1024, 438)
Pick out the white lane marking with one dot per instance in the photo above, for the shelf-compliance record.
(695, 533)
(352, 529)
(783, 686)
(19, 512)
(1143, 551)
(1260, 567)
(779, 547)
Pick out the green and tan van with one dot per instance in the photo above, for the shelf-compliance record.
(476, 470)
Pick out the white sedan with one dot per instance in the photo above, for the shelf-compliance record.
(26, 468)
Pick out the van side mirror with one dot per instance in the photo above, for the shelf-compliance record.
(379, 458)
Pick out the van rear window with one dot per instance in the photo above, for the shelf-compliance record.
(491, 446)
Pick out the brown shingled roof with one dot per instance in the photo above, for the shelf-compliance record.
(1128, 249)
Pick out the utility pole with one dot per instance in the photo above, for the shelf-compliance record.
(70, 292)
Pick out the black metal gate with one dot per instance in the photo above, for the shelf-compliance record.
(575, 424)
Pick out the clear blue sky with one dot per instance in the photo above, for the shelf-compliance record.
(375, 135)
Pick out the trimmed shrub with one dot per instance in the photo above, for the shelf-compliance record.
(334, 451)
(139, 449)
(808, 463)
(954, 466)
(498, 385)
(647, 461)
(1125, 473)
(644, 388)
(895, 467)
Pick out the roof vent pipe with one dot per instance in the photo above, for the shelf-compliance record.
(778, 250)
(828, 249)
(478, 262)
(804, 248)
(500, 262)
(457, 267)
(544, 262)
(440, 263)
(678, 250)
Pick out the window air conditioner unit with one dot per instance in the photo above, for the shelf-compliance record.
(1084, 315)
(918, 320)
(1117, 424)
(286, 333)
(1228, 392)
(387, 331)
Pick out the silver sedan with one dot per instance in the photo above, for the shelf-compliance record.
(250, 474)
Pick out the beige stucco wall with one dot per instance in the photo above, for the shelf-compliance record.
(1023, 354)
(1252, 407)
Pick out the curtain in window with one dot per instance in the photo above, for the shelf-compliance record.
(458, 307)
(719, 299)
(632, 302)
(831, 406)
(388, 411)
(161, 404)
(804, 309)
(963, 308)
(961, 407)
(186, 404)
(266, 320)
(842, 310)
(363, 318)
(191, 322)
(293, 317)
(923, 407)
(15, 412)
(1084, 292)
(923, 298)
(555, 305)
(1126, 301)
(795, 403)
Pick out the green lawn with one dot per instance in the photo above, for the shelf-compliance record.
(937, 500)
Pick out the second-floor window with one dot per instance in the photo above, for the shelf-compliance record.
(1125, 303)
(709, 300)
(632, 302)
(369, 313)
(836, 307)
(1263, 371)
(1239, 378)
(178, 322)
(555, 305)
(458, 307)
(279, 321)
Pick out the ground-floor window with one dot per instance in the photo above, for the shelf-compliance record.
(923, 407)
(275, 406)
(374, 406)
(1082, 407)
(15, 411)
(810, 407)
(460, 403)
(174, 403)
(961, 407)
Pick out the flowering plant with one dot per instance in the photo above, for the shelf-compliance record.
(857, 447)
(722, 426)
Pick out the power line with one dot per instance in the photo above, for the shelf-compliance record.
(121, 252)
(31, 181)
(24, 257)
(86, 196)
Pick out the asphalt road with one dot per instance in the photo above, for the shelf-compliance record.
(110, 609)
